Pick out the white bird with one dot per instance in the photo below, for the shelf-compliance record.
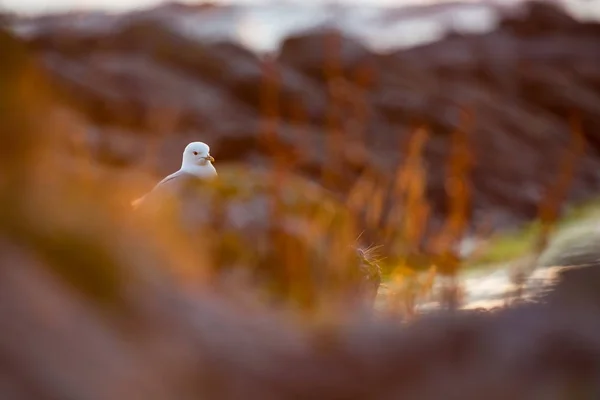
(196, 163)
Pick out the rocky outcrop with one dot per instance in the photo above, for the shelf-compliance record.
(90, 308)
(151, 80)
(85, 319)
(282, 235)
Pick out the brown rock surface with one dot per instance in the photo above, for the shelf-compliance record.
(141, 73)
(89, 310)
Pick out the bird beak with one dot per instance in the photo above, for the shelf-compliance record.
(209, 158)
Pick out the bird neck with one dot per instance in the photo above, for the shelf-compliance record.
(201, 171)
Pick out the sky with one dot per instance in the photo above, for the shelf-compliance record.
(40, 6)
(585, 9)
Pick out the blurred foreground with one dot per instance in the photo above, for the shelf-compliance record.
(98, 302)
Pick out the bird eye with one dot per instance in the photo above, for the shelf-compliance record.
(195, 153)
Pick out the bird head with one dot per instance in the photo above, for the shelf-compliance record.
(197, 153)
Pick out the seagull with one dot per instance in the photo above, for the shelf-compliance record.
(196, 163)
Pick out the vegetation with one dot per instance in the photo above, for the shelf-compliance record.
(389, 213)
(509, 246)
(71, 250)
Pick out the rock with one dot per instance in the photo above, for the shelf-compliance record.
(325, 51)
(226, 63)
(575, 246)
(90, 311)
(5, 20)
(577, 286)
(134, 92)
(115, 147)
(145, 73)
(539, 18)
(58, 342)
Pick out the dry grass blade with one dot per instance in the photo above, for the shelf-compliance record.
(460, 162)
(410, 209)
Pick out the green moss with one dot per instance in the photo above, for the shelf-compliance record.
(508, 246)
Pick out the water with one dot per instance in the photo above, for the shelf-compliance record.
(261, 25)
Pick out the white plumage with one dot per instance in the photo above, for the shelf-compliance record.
(196, 163)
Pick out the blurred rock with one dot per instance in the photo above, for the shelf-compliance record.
(575, 246)
(323, 52)
(90, 309)
(132, 91)
(161, 344)
(540, 18)
(143, 72)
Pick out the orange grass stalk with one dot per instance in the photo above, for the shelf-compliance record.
(460, 161)
(293, 272)
(410, 209)
(549, 208)
(333, 78)
(269, 104)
